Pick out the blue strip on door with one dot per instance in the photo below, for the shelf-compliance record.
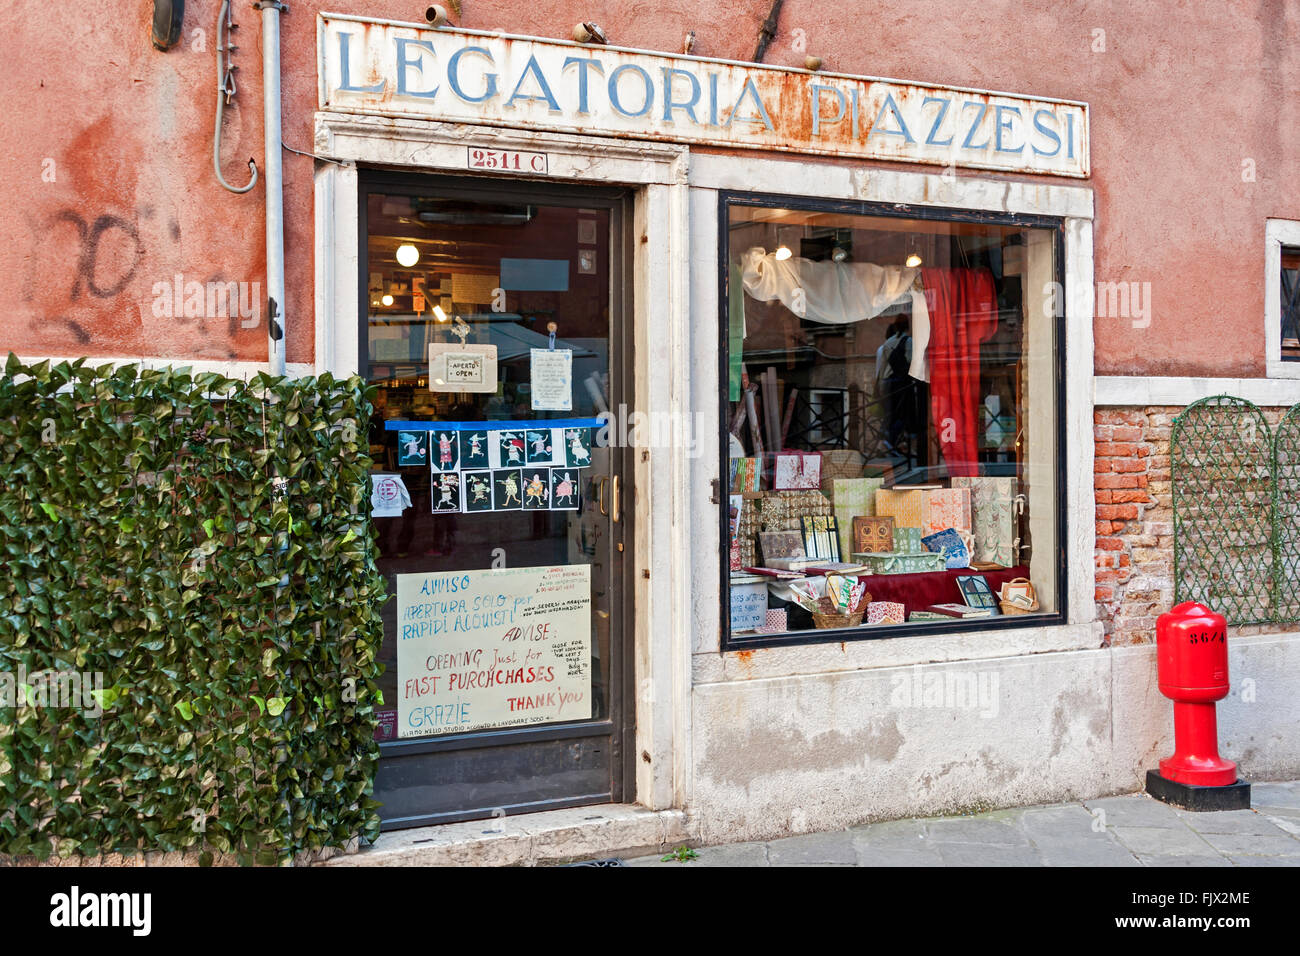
(405, 426)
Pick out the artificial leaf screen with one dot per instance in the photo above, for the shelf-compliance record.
(192, 554)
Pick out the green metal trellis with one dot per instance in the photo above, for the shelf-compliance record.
(1225, 489)
(1236, 501)
(1286, 522)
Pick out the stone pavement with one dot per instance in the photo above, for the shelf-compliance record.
(1111, 831)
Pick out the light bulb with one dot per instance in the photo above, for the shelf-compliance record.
(407, 255)
(783, 253)
(387, 299)
(913, 261)
(440, 315)
(840, 254)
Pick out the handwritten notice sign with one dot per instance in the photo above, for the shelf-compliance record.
(748, 604)
(499, 648)
(552, 380)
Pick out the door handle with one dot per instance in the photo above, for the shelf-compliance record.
(614, 505)
(600, 493)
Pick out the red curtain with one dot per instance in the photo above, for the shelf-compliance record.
(963, 313)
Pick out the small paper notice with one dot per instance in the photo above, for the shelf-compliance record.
(552, 380)
(388, 496)
(462, 368)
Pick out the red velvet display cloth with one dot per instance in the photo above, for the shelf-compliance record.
(916, 592)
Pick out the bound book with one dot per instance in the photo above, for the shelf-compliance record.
(776, 573)
(792, 564)
(960, 610)
(836, 567)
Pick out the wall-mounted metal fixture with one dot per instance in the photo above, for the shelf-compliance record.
(587, 32)
(436, 15)
(813, 63)
(767, 31)
(225, 93)
(689, 43)
(167, 17)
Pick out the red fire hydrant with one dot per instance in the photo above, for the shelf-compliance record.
(1192, 664)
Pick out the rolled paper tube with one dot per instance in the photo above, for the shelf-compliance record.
(789, 413)
(755, 433)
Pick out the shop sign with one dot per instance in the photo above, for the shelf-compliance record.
(463, 76)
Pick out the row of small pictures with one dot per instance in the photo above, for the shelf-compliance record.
(452, 451)
(506, 489)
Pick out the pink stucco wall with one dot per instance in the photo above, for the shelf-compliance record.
(108, 185)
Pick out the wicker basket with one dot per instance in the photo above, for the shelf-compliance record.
(826, 617)
(1008, 607)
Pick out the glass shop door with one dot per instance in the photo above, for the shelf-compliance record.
(492, 326)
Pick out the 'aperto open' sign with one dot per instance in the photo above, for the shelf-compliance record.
(465, 76)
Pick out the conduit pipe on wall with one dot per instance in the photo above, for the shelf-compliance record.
(273, 177)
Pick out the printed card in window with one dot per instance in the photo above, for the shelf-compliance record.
(796, 471)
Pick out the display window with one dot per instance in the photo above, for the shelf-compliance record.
(892, 420)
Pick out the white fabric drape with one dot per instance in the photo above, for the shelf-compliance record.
(837, 293)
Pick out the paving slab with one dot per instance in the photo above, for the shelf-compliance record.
(1138, 810)
(1276, 794)
(1071, 824)
(906, 835)
(1255, 844)
(1183, 861)
(1284, 822)
(1229, 821)
(1163, 841)
(730, 854)
(978, 830)
(814, 848)
(889, 856)
(1104, 851)
(1264, 861)
(984, 854)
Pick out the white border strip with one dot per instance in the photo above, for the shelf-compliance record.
(1139, 390)
(244, 370)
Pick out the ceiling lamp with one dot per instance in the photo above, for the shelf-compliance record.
(440, 315)
(783, 248)
(913, 254)
(387, 299)
(407, 255)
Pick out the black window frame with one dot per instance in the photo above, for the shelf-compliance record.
(731, 642)
(1284, 253)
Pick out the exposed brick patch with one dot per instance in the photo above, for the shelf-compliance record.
(1134, 551)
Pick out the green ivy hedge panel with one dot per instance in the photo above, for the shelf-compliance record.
(203, 544)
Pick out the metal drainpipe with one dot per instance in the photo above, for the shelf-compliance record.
(274, 180)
